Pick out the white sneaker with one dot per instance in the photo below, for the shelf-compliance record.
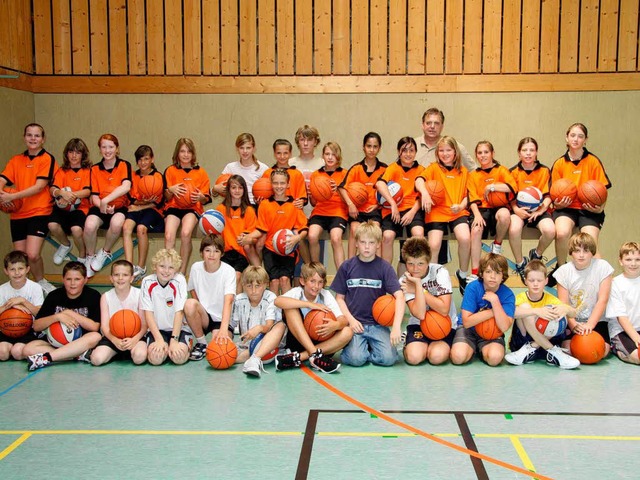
(556, 356)
(138, 273)
(98, 261)
(495, 248)
(526, 354)
(61, 254)
(46, 286)
(253, 366)
(471, 278)
(82, 260)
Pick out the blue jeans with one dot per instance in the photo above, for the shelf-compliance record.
(373, 345)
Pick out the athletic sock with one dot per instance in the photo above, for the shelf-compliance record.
(201, 340)
(474, 271)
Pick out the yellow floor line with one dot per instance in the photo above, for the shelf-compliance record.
(14, 445)
(522, 453)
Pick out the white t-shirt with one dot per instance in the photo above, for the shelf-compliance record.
(31, 292)
(437, 283)
(250, 173)
(624, 301)
(212, 287)
(114, 304)
(246, 317)
(583, 285)
(165, 301)
(324, 297)
(307, 167)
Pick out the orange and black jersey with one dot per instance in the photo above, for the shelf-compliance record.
(21, 172)
(274, 215)
(480, 178)
(406, 177)
(589, 167)
(538, 177)
(235, 225)
(335, 206)
(137, 196)
(297, 187)
(195, 176)
(455, 186)
(76, 179)
(359, 173)
(104, 181)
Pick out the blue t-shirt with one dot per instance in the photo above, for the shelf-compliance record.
(474, 303)
(362, 283)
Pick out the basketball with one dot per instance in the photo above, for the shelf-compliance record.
(488, 329)
(592, 192)
(396, 192)
(384, 309)
(498, 199)
(551, 328)
(150, 186)
(223, 179)
(59, 335)
(184, 201)
(436, 192)
(279, 242)
(320, 187)
(529, 198)
(13, 206)
(254, 345)
(221, 355)
(563, 188)
(435, 326)
(589, 348)
(125, 324)
(262, 188)
(313, 320)
(64, 205)
(212, 222)
(15, 323)
(358, 193)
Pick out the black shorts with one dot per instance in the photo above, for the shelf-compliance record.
(68, 219)
(581, 218)
(148, 217)
(234, 258)
(489, 217)
(414, 334)
(105, 217)
(185, 337)
(534, 223)
(178, 212)
(213, 325)
(447, 227)
(517, 341)
(120, 354)
(29, 227)
(363, 217)
(29, 337)
(601, 327)
(278, 266)
(291, 342)
(328, 223)
(389, 224)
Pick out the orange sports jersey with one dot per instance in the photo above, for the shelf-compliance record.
(22, 171)
(135, 193)
(75, 179)
(274, 215)
(589, 167)
(104, 181)
(406, 177)
(358, 173)
(538, 177)
(335, 206)
(455, 187)
(297, 187)
(235, 225)
(479, 179)
(195, 176)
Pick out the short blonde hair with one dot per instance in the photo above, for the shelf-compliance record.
(369, 229)
(253, 274)
(335, 149)
(310, 269)
(584, 241)
(629, 247)
(166, 254)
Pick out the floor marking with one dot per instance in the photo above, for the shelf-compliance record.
(469, 442)
(304, 460)
(522, 453)
(405, 426)
(14, 445)
(148, 432)
(19, 382)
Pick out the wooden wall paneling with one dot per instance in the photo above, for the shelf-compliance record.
(42, 37)
(137, 40)
(61, 20)
(453, 40)
(322, 36)
(229, 43)
(248, 37)
(398, 37)
(118, 37)
(588, 46)
(173, 37)
(99, 37)
(628, 36)
(211, 37)
(341, 37)
(359, 37)
(266, 37)
(569, 36)
(608, 38)
(473, 36)
(6, 40)
(192, 36)
(80, 44)
(530, 51)
(492, 41)
(16, 38)
(417, 35)
(285, 22)
(378, 40)
(511, 36)
(550, 36)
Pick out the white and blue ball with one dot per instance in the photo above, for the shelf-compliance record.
(551, 328)
(254, 345)
(59, 334)
(529, 198)
(395, 189)
(212, 222)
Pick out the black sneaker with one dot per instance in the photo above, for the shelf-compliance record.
(520, 268)
(198, 352)
(323, 363)
(38, 360)
(552, 280)
(287, 361)
(86, 356)
(533, 255)
(462, 282)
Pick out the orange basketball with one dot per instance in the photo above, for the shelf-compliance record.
(125, 324)
(184, 201)
(15, 323)
(313, 320)
(488, 329)
(150, 186)
(593, 192)
(589, 348)
(262, 188)
(221, 355)
(563, 188)
(499, 199)
(11, 207)
(320, 187)
(223, 179)
(435, 326)
(384, 309)
(436, 192)
(358, 193)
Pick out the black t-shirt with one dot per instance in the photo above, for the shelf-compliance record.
(87, 304)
